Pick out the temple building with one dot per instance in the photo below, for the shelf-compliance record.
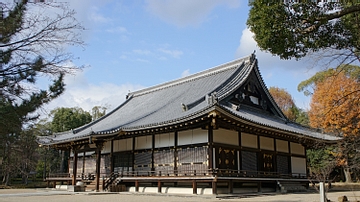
(216, 131)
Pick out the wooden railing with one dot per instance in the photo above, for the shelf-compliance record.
(212, 172)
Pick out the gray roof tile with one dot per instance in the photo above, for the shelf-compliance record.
(163, 104)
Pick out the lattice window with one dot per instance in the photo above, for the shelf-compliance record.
(249, 162)
(164, 161)
(123, 162)
(191, 160)
(282, 164)
(143, 161)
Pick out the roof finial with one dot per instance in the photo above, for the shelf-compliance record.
(253, 56)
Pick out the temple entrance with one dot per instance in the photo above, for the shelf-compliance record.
(227, 159)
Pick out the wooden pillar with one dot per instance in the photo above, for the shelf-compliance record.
(175, 154)
(214, 187)
(152, 154)
(194, 186)
(136, 185)
(210, 151)
(231, 186)
(99, 146)
(112, 156)
(75, 160)
(259, 187)
(83, 165)
(159, 186)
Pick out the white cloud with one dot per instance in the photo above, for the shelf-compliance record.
(97, 17)
(186, 12)
(248, 45)
(185, 73)
(172, 53)
(80, 93)
(281, 73)
(142, 52)
(120, 30)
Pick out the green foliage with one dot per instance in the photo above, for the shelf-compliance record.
(292, 30)
(307, 86)
(287, 105)
(97, 112)
(65, 119)
(30, 47)
(320, 158)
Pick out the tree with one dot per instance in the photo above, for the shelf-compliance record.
(65, 119)
(33, 41)
(335, 107)
(287, 105)
(97, 112)
(19, 156)
(293, 30)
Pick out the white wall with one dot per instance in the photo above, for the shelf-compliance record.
(123, 145)
(164, 140)
(226, 136)
(192, 136)
(298, 165)
(143, 142)
(282, 146)
(249, 140)
(267, 143)
(297, 148)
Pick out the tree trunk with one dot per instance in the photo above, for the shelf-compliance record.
(347, 175)
(6, 179)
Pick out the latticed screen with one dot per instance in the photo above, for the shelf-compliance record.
(164, 161)
(142, 161)
(192, 160)
(249, 162)
(123, 162)
(282, 164)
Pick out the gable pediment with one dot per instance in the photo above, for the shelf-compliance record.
(254, 95)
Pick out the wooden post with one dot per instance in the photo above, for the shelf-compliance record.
(159, 186)
(210, 150)
(83, 165)
(214, 187)
(194, 186)
(112, 156)
(231, 186)
(259, 187)
(75, 160)
(99, 146)
(136, 185)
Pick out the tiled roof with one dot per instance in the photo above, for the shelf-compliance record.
(170, 103)
(268, 120)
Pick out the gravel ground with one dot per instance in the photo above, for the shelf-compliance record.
(35, 195)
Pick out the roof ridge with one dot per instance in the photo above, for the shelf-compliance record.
(201, 74)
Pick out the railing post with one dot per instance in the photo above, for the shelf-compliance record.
(159, 186)
(136, 185)
(194, 186)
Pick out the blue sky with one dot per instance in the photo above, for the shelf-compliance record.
(140, 43)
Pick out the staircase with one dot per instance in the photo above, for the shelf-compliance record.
(112, 179)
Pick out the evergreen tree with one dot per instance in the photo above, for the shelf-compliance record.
(33, 44)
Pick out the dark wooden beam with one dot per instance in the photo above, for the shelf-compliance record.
(75, 160)
(99, 146)
(194, 187)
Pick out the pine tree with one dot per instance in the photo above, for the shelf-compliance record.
(32, 45)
